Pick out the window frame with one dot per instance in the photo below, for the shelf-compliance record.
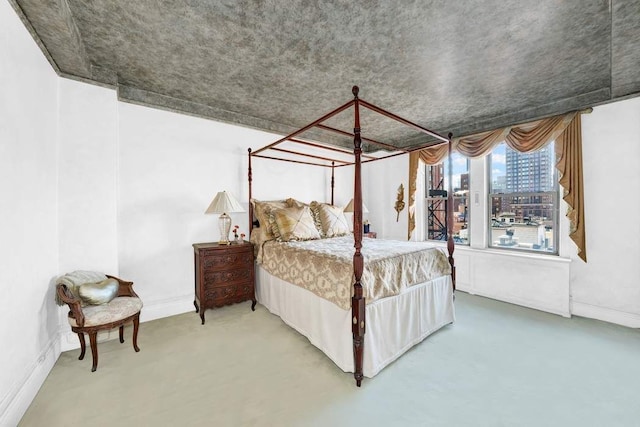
(554, 194)
(480, 212)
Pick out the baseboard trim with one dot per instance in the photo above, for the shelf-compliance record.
(17, 401)
(631, 320)
(167, 307)
(517, 301)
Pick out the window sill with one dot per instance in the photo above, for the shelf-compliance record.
(506, 253)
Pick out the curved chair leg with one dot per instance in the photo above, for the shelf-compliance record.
(121, 334)
(136, 322)
(93, 339)
(83, 345)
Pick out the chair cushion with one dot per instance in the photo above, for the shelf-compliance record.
(118, 309)
(98, 293)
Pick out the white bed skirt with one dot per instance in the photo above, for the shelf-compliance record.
(393, 325)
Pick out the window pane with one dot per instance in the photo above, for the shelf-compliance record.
(523, 199)
(437, 184)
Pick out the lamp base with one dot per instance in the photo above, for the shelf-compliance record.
(224, 223)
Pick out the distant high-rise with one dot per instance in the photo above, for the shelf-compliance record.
(499, 184)
(529, 172)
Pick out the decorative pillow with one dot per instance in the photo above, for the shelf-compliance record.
(98, 293)
(332, 221)
(315, 214)
(261, 212)
(293, 203)
(293, 223)
(297, 203)
(256, 236)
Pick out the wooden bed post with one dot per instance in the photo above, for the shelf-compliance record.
(333, 179)
(450, 243)
(357, 301)
(250, 204)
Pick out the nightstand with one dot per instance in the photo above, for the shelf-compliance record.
(371, 235)
(224, 274)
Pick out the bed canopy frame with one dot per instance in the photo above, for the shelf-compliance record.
(357, 301)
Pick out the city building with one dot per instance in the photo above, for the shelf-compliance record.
(528, 173)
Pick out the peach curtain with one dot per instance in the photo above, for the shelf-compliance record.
(569, 164)
(564, 129)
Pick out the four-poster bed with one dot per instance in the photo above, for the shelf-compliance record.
(430, 286)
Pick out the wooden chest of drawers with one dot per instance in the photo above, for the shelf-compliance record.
(224, 274)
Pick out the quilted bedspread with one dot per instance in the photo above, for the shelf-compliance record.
(325, 266)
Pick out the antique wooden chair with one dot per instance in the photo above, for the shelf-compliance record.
(90, 319)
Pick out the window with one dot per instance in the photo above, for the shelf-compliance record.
(436, 200)
(523, 200)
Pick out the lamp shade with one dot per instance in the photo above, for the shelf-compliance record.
(349, 207)
(224, 203)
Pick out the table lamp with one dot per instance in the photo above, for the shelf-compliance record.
(349, 207)
(224, 203)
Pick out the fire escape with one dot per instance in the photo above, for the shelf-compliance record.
(437, 213)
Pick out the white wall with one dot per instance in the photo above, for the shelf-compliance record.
(87, 163)
(607, 286)
(170, 168)
(134, 184)
(87, 178)
(344, 187)
(380, 181)
(28, 217)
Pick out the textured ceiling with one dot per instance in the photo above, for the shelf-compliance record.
(450, 66)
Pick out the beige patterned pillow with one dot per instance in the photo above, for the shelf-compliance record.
(315, 214)
(261, 211)
(291, 202)
(294, 223)
(313, 208)
(332, 221)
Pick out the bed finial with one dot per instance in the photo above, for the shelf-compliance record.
(450, 135)
(333, 179)
(355, 90)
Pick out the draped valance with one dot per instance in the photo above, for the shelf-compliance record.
(566, 130)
